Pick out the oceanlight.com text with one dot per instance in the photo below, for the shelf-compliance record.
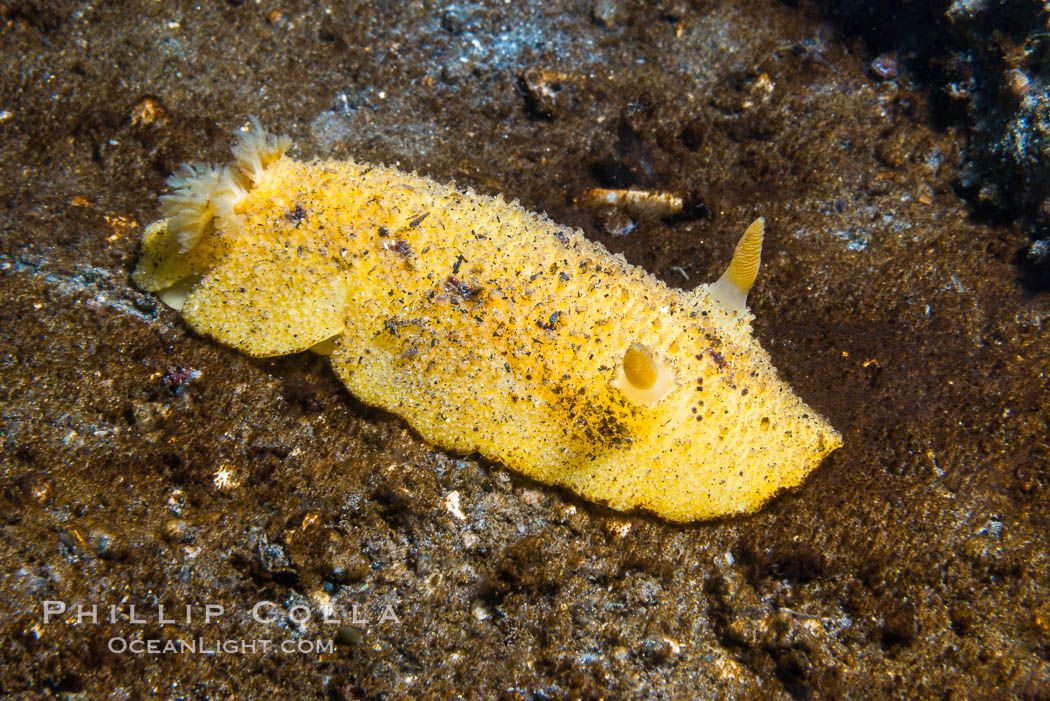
(120, 645)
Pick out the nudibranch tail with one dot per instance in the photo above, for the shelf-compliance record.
(731, 289)
(641, 377)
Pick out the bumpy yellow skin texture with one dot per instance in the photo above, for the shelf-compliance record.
(491, 329)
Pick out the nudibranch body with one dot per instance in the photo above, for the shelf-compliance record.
(489, 329)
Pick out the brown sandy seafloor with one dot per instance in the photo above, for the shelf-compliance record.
(143, 465)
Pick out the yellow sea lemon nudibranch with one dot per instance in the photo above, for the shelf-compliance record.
(489, 328)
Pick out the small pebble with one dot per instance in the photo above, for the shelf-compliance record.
(607, 13)
(452, 505)
(617, 223)
(350, 636)
(177, 530)
(1018, 83)
(452, 23)
(104, 542)
(147, 416)
(345, 567)
(885, 66)
(1039, 250)
(655, 650)
(149, 111)
(36, 487)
